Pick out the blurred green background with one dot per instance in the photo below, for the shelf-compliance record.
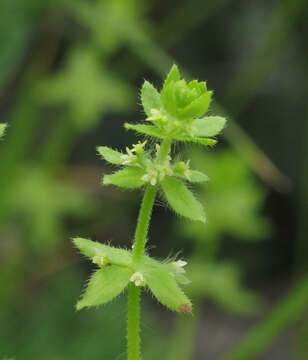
(70, 74)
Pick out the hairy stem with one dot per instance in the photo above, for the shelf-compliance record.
(164, 150)
(133, 318)
(133, 310)
(143, 222)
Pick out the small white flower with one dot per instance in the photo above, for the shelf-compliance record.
(179, 266)
(138, 279)
(150, 176)
(155, 115)
(126, 159)
(129, 157)
(99, 260)
(158, 117)
(182, 168)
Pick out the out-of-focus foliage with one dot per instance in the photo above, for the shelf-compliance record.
(108, 21)
(18, 20)
(53, 328)
(233, 199)
(43, 204)
(87, 89)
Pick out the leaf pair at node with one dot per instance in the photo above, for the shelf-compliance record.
(140, 169)
(117, 270)
(177, 112)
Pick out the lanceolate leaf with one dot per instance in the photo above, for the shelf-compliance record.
(2, 129)
(91, 248)
(149, 130)
(150, 98)
(209, 126)
(153, 131)
(129, 178)
(197, 140)
(181, 199)
(164, 287)
(110, 155)
(105, 285)
(168, 98)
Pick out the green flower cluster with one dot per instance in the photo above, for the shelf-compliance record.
(177, 111)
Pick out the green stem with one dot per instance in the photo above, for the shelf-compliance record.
(133, 302)
(143, 222)
(146, 208)
(164, 150)
(133, 308)
(133, 323)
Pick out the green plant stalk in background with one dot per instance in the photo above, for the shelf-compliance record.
(176, 115)
(284, 314)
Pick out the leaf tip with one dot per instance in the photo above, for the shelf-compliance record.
(186, 308)
(106, 180)
(79, 306)
(75, 241)
(3, 128)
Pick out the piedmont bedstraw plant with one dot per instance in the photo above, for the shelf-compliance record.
(176, 114)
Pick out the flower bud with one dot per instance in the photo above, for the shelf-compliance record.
(182, 168)
(186, 101)
(99, 260)
(138, 279)
(138, 148)
(179, 266)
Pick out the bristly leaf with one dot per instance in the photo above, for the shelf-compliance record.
(209, 126)
(181, 199)
(149, 130)
(168, 99)
(150, 98)
(2, 129)
(128, 178)
(91, 248)
(196, 176)
(164, 287)
(152, 130)
(196, 140)
(105, 285)
(173, 75)
(110, 155)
